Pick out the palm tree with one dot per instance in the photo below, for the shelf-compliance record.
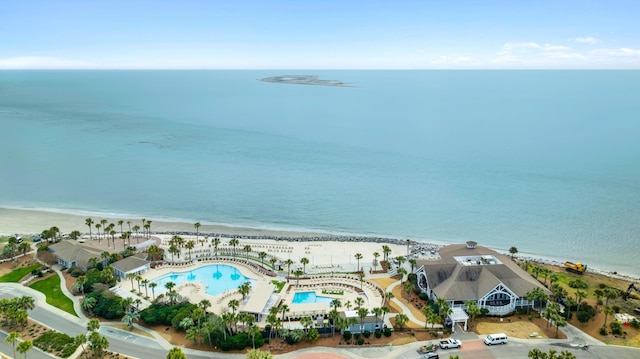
(244, 289)
(190, 245)
(297, 273)
(413, 263)
(362, 313)
(607, 311)
(80, 282)
(273, 263)
(103, 222)
(129, 224)
(89, 222)
(377, 312)
(216, 243)
(401, 319)
(81, 340)
(304, 261)
(513, 250)
(145, 283)
(153, 286)
(234, 304)
(427, 311)
(12, 339)
(599, 294)
(24, 347)
(472, 309)
(358, 257)
(348, 305)
(262, 256)
(247, 249)
(98, 226)
(234, 242)
(197, 225)
(284, 309)
(288, 262)
(173, 249)
(136, 228)
(375, 260)
(120, 223)
(88, 303)
(388, 296)
(170, 286)
(386, 251)
(148, 227)
(580, 295)
(129, 317)
(359, 302)
(335, 303)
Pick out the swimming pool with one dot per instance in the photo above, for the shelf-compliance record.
(217, 277)
(310, 297)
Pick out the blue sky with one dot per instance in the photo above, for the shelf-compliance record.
(328, 34)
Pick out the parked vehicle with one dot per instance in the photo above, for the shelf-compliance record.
(499, 338)
(430, 355)
(450, 343)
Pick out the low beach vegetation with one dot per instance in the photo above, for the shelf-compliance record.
(50, 287)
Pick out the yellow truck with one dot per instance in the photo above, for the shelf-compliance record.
(575, 267)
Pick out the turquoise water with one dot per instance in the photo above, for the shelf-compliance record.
(310, 297)
(218, 278)
(547, 161)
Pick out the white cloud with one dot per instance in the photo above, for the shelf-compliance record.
(41, 62)
(587, 40)
(622, 52)
(533, 54)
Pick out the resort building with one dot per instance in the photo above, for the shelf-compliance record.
(468, 272)
(136, 264)
(72, 253)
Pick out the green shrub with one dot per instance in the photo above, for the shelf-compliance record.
(635, 324)
(603, 331)
(367, 334)
(360, 341)
(346, 335)
(387, 332)
(423, 296)
(378, 333)
(616, 328)
(54, 342)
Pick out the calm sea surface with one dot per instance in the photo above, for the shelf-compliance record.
(547, 161)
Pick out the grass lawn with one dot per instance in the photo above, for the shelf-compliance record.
(17, 274)
(51, 288)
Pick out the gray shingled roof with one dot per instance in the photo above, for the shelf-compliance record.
(129, 263)
(453, 281)
(71, 251)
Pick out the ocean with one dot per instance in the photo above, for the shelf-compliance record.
(547, 161)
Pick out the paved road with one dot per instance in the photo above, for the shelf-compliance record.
(34, 353)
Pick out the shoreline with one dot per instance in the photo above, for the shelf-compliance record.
(29, 221)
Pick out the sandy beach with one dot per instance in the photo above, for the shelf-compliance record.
(26, 221)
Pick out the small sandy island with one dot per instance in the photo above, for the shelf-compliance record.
(304, 80)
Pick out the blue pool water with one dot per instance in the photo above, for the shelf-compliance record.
(310, 297)
(218, 278)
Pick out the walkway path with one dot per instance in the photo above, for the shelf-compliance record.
(406, 310)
